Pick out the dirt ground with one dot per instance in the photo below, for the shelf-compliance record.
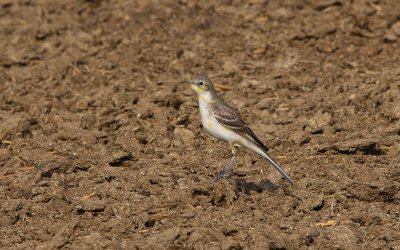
(101, 147)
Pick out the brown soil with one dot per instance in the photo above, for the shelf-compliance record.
(101, 147)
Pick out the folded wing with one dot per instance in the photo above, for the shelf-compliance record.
(230, 118)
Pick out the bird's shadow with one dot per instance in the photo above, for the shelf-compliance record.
(262, 186)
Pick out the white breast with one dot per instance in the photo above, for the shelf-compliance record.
(212, 126)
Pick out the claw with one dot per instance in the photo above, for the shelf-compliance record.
(224, 174)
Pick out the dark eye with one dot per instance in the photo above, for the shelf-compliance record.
(201, 83)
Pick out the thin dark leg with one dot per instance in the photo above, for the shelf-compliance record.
(225, 171)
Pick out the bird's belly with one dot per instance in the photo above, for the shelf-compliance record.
(213, 127)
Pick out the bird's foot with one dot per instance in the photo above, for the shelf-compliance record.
(224, 174)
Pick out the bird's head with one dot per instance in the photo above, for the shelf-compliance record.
(202, 85)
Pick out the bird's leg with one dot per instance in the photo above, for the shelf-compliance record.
(225, 172)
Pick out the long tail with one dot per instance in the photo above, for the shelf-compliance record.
(264, 154)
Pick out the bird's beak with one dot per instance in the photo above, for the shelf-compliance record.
(191, 84)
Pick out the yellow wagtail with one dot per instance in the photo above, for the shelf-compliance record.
(224, 123)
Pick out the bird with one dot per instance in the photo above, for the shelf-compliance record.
(225, 123)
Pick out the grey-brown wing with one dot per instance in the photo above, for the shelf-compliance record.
(230, 118)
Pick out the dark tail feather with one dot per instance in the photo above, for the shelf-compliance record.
(263, 152)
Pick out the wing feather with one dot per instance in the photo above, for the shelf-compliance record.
(231, 119)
